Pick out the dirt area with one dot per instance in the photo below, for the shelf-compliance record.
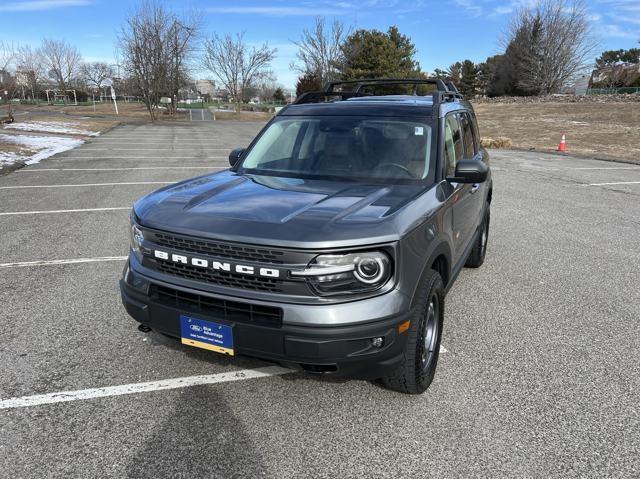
(243, 115)
(102, 110)
(609, 130)
(7, 147)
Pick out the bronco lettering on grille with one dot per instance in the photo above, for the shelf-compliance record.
(217, 265)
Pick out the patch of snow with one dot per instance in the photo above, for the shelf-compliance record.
(9, 158)
(51, 127)
(44, 146)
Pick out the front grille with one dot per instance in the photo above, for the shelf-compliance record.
(233, 311)
(221, 278)
(222, 250)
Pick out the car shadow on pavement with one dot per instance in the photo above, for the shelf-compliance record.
(200, 437)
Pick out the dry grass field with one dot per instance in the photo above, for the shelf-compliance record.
(608, 130)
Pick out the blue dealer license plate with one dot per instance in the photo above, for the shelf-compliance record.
(206, 334)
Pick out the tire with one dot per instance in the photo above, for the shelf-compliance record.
(422, 349)
(479, 250)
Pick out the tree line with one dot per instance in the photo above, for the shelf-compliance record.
(546, 45)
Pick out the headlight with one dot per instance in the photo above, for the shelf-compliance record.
(136, 240)
(334, 274)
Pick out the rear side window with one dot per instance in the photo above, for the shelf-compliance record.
(467, 133)
(476, 132)
(453, 144)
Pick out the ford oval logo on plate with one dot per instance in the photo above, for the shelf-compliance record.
(206, 334)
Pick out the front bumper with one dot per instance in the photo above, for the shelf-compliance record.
(342, 349)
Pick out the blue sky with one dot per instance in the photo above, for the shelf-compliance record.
(444, 31)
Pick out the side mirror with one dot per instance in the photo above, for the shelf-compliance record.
(235, 155)
(470, 171)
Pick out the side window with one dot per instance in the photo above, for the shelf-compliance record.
(476, 133)
(453, 146)
(467, 133)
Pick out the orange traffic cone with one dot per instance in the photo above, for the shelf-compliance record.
(563, 144)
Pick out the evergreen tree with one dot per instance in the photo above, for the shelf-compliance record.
(374, 54)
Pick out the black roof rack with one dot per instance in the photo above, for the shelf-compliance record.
(445, 90)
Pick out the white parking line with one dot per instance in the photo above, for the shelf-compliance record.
(63, 261)
(137, 388)
(161, 140)
(15, 213)
(603, 168)
(32, 170)
(615, 183)
(138, 158)
(159, 148)
(89, 184)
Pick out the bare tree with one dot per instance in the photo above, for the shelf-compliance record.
(155, 46)
(8, 83)
(62, 61)
(319, 50)
(267, 86)
(7, 56)
(29, 69)
(96, 74)
(549, 43)
(237, 66)
(180, 49)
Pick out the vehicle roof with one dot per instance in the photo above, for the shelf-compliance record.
(386, 105)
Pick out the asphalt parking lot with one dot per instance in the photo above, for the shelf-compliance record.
(541, 374)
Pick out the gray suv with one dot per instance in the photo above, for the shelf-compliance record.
(330, 243)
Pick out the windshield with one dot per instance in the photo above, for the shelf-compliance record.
(344, 147)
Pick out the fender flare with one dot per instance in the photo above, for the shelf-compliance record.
(443, 249)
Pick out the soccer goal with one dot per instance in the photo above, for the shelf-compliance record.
(61, 97)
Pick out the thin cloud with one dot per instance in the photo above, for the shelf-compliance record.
(502, 10)
(277, 11)
(37, 5)
(469, 5)
(613, 30)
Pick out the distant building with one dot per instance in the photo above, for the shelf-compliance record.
(5, 77)
(206, 87)
(24, 78)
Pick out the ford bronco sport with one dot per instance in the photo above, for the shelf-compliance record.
(330, 243)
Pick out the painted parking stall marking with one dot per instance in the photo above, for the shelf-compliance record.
(137, 388)
(84, 210)
(101, 259)
(128, 183)
(615, 183)
(139, 158)
(36, 170)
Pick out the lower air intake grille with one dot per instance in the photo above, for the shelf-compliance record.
(220, 308)
(222, 278)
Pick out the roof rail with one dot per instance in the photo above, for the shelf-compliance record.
(445, 90)
(452, 86)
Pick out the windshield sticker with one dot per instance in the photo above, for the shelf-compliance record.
(419, 131)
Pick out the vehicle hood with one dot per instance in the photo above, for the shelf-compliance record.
(278, 211)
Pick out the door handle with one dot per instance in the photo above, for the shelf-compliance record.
(475, 187)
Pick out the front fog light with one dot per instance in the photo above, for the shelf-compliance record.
(377, 342)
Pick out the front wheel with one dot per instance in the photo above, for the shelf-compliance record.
(479, 250)
(422, 349)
